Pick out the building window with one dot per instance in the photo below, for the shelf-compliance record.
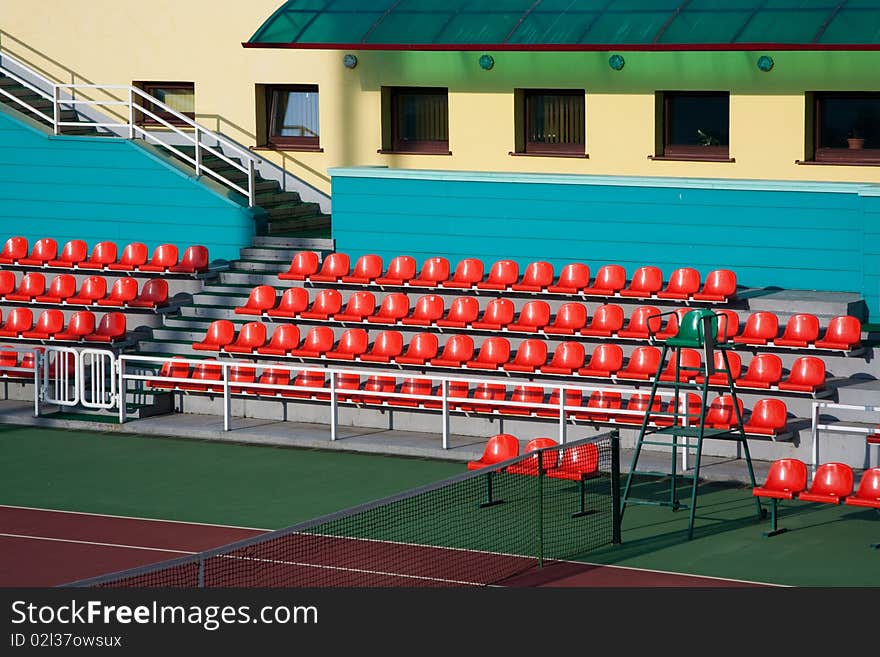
(696, 125)
(417, 120)
(847, 127)
(293, 117)
(553, 122)
(179, 96)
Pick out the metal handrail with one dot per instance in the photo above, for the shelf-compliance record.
(137, 100)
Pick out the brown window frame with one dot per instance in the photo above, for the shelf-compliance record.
(289, 143)
(711, 153)
(840, 155)
(149, 88)
(543, 148)
(397, 145)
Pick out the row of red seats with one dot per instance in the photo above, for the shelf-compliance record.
(802, 331)
(10, 359)
(765, 371)
(767, 417)
(832, 484)
(83, 325)
(577, 462)
(135, 257)
(92, 292)
(504, 276)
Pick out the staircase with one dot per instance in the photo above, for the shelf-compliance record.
(43, 105)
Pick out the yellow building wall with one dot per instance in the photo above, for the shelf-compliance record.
(200, 41)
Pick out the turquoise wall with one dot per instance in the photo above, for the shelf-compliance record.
(791, 235)
(109, 189)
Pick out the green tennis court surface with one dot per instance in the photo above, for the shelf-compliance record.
(268, 487)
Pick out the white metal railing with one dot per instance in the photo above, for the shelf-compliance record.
(866, 428)
(334, 393)
(135, 102)
(20, 373)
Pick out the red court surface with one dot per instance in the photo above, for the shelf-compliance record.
(43, 548)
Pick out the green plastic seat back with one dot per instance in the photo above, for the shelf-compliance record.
(690, 329)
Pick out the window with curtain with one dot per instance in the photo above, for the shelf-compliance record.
(419, 120)
(293, 117)
(178, 96)
(555, 122)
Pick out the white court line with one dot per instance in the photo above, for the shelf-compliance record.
(113, 545)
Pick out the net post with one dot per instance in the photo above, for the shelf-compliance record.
(615, 487)
(540, 508)
(201, 575)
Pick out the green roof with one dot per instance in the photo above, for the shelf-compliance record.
(572, 24)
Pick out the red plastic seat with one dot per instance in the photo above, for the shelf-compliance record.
(91, 289)
(376, 383)
(394, 307)
(493, 353)
(428, 309)
(768, 417)
(720, 286)
(456, 352)
(646, 282)
(683, 284)
(32, 285)
(8, 359)
(606, 322)
(486, 392)
(62, 287)
(360, 305)
(644, 322)
(455, 392)
(502, 275)
(13, 249)
(318, 341)
(574, 277)
(80, 324)
(272, 377)
(193, 261)
(831, 484)
(570, 318)
(760, 328)
(220, 333)
(284, 338)
(421, 348)
(533, 317)
(302, 266)
(293, 301)
(110, 328)
(638, 407)
(462, 311)
(421, 387)
(133, 256)
(843, 333)
(333, 268)
(434, 270)
(352, 344)
(122, 291)
(689, 366)
(577, 463)
(401, 270)
(346, 382)
(48, 324)
(468, 272)
(261, 299)
(43, 251)
(500, 447)
(529, 395)
(721, 414)
(549, 459)
(153, 294)
(642, 365)
(807, 375)
(242, 374)
(605, 361)
(690, 409)
(25, 367)
(764, 371)
(103, 254)
(173, 368)
(785, 479)
(530, 354)
(367, 269)
(250, 336)
(728, 324)
(17, 322)
(607, 400)
(7, 282)
(537, 277)
(720, 377)
(567, 358)
(165, 256)
(498, 314)
(801, 330)
(387, 346)
(610, 279)
(312, 380)
(673, 321)
(326, 304)
(868, 493)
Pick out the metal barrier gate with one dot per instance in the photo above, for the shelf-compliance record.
(76, 377)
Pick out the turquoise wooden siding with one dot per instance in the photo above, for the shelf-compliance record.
(790, 235)
(109, 189)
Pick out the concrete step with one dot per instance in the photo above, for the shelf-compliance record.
(269, 201)
(785, 303)
(252, 276)
(260, 266)
(268, 254)
(319, 244)
(303, 224)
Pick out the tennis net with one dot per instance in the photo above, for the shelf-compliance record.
(475, 529)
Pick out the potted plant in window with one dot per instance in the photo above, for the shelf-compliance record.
(707, 138)
(855, 141)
